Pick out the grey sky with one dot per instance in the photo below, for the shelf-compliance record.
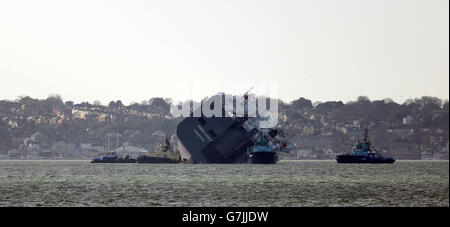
(133, 50)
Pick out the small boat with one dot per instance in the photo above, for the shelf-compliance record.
(165, 154)
(111, 157)
(362, 153)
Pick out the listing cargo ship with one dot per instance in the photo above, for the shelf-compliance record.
(363, 153)
(228, 139)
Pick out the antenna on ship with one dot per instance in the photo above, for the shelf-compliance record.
(117, 141)
(166, 139)
(366, 135)
(108, 142)
(246, 93)
(164, 135)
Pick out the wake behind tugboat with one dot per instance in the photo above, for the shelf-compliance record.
(362, 153)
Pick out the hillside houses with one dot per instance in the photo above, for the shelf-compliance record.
(51, 128)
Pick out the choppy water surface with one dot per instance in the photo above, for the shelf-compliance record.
(288, 183)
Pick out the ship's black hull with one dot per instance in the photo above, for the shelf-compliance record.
(212, 140)
(263, 158)
(146, 159)
(348, 159)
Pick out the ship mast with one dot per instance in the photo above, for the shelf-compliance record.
(366, 135)
(366, 139)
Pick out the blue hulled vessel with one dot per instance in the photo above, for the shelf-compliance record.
(363, 153)
(261, 153)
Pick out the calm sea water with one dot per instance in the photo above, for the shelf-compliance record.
(288, 183)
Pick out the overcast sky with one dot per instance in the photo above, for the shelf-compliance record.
(132, 50)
